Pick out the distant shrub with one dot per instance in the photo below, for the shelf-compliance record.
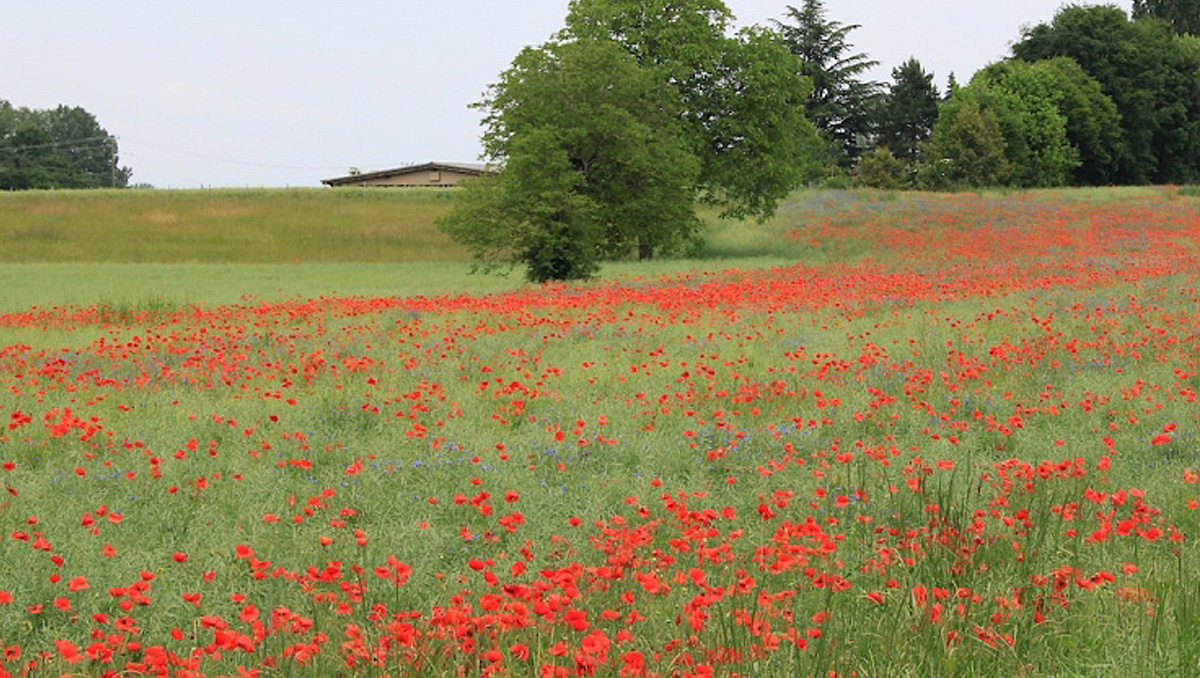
(880, 169)
(837, 182)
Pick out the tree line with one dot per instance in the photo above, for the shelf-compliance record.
(612, 131)
(63, 147)
(1094, 97)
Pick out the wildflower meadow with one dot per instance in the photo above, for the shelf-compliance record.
(952, 436)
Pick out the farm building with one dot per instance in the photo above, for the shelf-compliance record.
(433, 174)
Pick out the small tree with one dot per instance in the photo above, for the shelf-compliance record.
(967, 150)
(880, 169)
(595, 166)
(908, 111)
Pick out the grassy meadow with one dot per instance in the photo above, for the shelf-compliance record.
(224, 226)
(965, 422)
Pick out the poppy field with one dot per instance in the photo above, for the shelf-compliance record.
(959, 438)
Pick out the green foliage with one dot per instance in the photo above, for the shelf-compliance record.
(1093, 123)
(683, 41)
(611, 132)
(908, 111)
(739, 97)
(841, 101)
(967, 149)
(1024, 100)
(56, 148)
(1152, 77)
(1183, 16)
(595, 165)
(531, 214)
(880, 169)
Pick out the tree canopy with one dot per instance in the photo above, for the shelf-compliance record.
(610, 133)
(740, 98)
(595, 164)
(841, 101)
(1023, 97)
(1152, 77)
(1093, 125)
(967, 149)
(908, 111)
(1183, 16)
(63, 147)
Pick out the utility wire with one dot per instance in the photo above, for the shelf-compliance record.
(72, 142)
(108, 139)
(235, 161)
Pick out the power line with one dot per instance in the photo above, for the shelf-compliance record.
(99, 141)
(50, 144)
(236, 161)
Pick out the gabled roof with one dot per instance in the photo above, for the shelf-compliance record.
(472, 168)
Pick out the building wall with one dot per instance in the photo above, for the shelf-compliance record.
(433, 178)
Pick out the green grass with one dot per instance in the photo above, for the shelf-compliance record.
(181, 247)
(183, 284)
(225, 226)
(319, 226)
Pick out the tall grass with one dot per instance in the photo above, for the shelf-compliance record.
(244, 226)
(310, 226)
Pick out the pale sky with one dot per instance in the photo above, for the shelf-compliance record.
(257, 93)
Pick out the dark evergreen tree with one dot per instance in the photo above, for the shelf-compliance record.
(951, 86)
(841, 101)
(908, 111)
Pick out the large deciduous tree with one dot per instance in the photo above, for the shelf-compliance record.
(1020, 99)
(1026, 100)
(1152, 76)
(908, 111)
(610, 133)
(63, 147)
(1093, 123)
(841, 101)
(740, 98)
(595, 164)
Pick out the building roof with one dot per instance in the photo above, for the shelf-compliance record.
(472, 168)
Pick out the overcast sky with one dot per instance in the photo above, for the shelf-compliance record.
(258, 93)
